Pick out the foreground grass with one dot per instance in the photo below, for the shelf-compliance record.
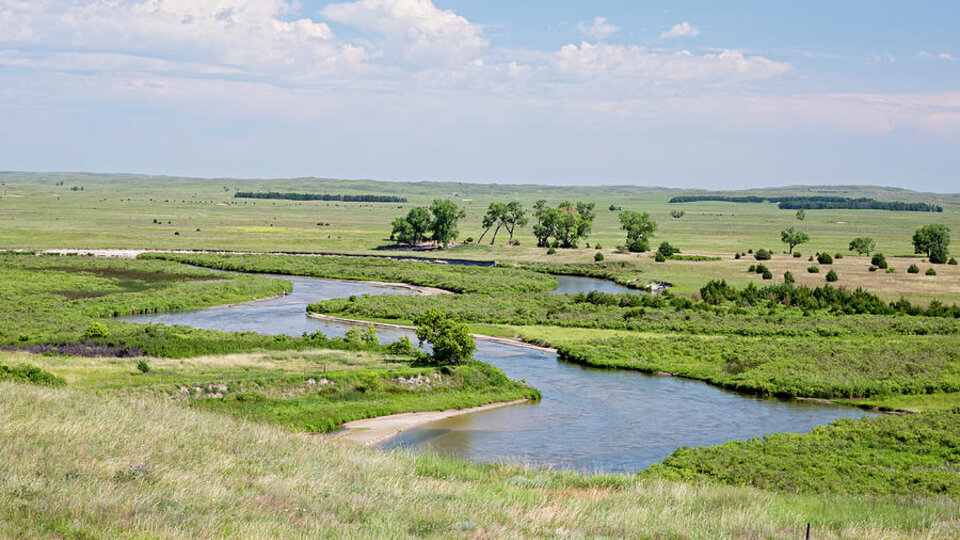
(311, 391)
(82, 466)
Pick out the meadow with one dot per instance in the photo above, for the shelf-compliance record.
(127, 430)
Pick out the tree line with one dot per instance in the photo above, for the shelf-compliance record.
(318, 197)
(818, 203)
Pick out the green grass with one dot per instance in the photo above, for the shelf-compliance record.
(116, 211)
(82, 466)
(914, 454)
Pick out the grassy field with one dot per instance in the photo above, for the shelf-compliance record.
(115, 211)
(77, 465)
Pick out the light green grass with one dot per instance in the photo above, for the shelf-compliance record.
(80, 466)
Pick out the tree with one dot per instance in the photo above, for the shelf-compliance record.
(446, 215)
(451, 341)
(413, 228)
(863, 245)
(639, 229)
(793, 238)
(494, 216)
(801, 215)
(566, 224)
(514, 216)
(934, 241)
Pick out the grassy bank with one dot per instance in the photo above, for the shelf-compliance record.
(83, 466)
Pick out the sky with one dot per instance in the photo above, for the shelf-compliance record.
(685, 93)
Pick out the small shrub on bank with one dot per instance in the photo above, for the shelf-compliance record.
(824, 258)
(552, 251)
(598, 257)
(667, 250)
(767, 274)
(832, 276)
(143, 366)
(659, 257)
(96, 330)
(952, 261)
(788, 278)
(913, 269)
(931, 272)
(762, 255)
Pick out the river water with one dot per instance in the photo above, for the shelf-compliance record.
(589, 420)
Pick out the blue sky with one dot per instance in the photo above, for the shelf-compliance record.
(680, 94)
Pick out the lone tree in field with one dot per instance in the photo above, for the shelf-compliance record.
(863, 245)
(934, 241)
(443, 226)
(793, 238)
(639, 229)
(451, 341)
(413, 228)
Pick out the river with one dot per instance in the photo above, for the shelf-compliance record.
(589, 420)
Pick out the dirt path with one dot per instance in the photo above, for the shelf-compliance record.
(373, 431)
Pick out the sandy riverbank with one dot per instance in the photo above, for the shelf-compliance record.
(478, 337)
(373, 431)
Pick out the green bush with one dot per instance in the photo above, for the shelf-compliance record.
(872, 268)
(767, 274)
(667, 250)
(797, 254)
(788, 278)
(832, 276)
(824, 258)
(931, 272)
(598, 257)
(913, 269)
(96, 330)
(952, 261)
(451, 341)
(26, 373)
(551, 251)
(639, 245)
(659, 257)
(737, 256)
(762, 255)
(813, 269)
(143, 366)
(879, 261)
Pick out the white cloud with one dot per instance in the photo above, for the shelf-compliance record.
(945, 56)
(681, 30)
(599, 29)
(638, 65)
(416, 29)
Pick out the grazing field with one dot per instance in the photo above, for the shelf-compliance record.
(116, 211)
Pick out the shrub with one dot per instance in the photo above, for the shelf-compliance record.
(762, 255)
(832, 276)
(598, 257)
(913, 269)
(737, 256)
(750, 251)
(813, 269)
(143, 366)
(838, 255)
(824, 258)
(761, 269)
(890, 270)
(402, 346)
(788, 278)
(931, 272)
(767, 274)
(469, 240)
(638, 245)
(879, 260)
(552, 251)
(659, 257)
(667, 250)
(872, 268)
(752, 269)
(598, 246)
(952, 261)
(96, 330)
(797, 254)
(26, 373)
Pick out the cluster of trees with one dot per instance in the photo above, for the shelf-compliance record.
(438, 223)
(818, 203)
(564, 225)
(318, 197)
(503, 215)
